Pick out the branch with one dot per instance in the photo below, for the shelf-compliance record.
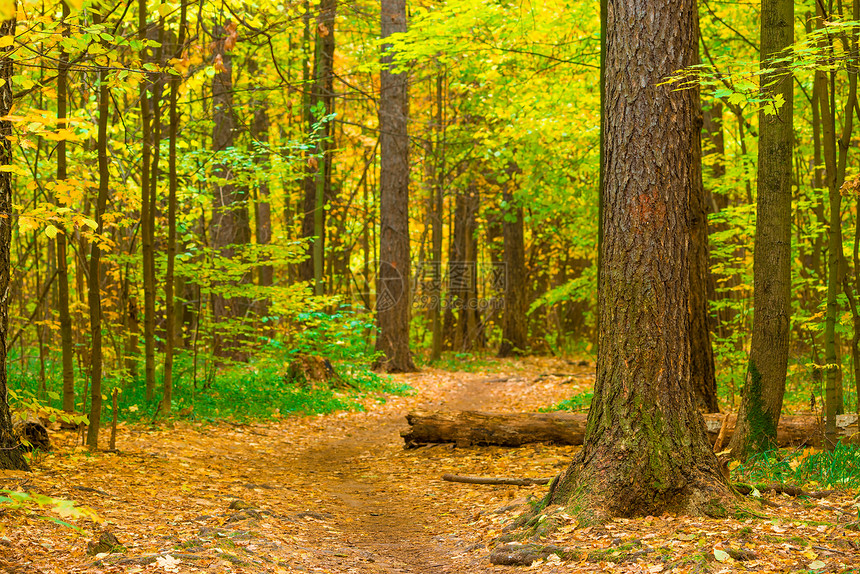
(490, 480)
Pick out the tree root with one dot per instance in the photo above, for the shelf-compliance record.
(777, 488)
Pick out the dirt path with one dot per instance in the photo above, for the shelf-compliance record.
(385, 528)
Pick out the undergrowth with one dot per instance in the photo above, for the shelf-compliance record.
(256, 390)
(838, 469)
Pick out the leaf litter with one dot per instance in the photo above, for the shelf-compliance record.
(338, 494)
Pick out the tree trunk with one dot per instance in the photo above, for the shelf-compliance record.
(147, 219)
(392, 284)
(702, 371)
(765, 385)
(230, 225)
(170, 306)
(94, 293)
(62, 239)
(437, 211)
(317, 181)
(469, 428)
(645, 449)
(514, 320)
(11, 456)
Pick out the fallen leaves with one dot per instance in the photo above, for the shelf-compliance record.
(339, 494)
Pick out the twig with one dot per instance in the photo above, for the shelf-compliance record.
(491, 480)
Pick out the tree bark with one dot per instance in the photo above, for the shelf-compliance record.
(317, 180)
(514, 320)
(472, 428)
(94, 293)
(11, 456)
(392, 284)
(702, 370)
(230, 225)
(645, 449)
(62, 239)
(765, 384)
(147, 219)
(170, 306)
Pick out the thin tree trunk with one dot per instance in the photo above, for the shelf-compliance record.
(67, 343)
(393, 297)
(171, 334)
(437, 211)
(765, 385)
(94, 298)
(702, 370)
(147, 227)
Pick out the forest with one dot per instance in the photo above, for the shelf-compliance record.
(603, 259)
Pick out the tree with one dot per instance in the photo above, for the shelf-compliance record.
(230, 227)
(765, 382)
(702, 370)
(392, 283)
(94, 292)
(514, 321)
(10, 455)
(645, 449)
(320, 103)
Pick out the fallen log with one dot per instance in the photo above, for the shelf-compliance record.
(468, 428)
(495, 481)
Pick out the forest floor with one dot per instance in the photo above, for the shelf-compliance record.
(339, 494)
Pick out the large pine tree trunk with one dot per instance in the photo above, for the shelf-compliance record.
(645, 449)
(392, 284)
(10, 456)
(765, 385)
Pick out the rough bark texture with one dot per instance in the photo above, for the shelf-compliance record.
(230, 225)
(514, 320)
(645, 450)
(10, 452)
(392, 284)
(765, 385)
(469, 428)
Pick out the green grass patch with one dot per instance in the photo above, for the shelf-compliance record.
(837, 469)
(579, 402)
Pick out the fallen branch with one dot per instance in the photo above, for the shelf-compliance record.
(516, 429)
(490, 480)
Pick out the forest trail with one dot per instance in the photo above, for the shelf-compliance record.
(331, 493)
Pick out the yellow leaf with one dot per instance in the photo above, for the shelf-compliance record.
(722, 556)
(76, 4)
(810, 554)
(6, 40)
(51, 231)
